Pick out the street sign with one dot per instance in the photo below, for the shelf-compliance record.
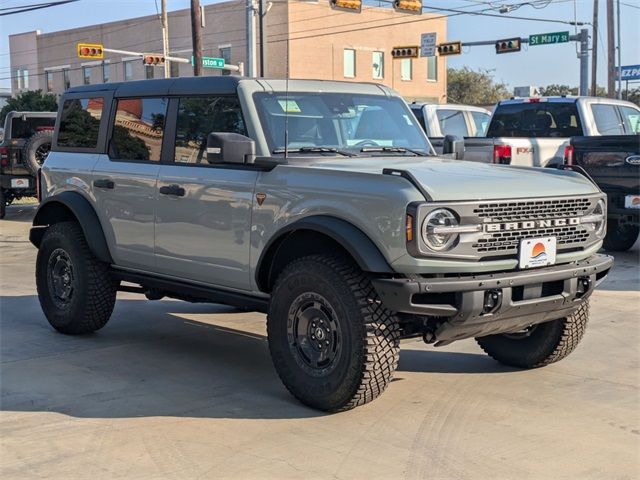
(629, 72)
(210, 62)
(428, 44)
(548, 38)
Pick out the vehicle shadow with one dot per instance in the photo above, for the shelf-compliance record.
(625, 274)
(159, 359)
(21, 212)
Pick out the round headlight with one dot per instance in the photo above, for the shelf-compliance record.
(601, 209)
(434, 237)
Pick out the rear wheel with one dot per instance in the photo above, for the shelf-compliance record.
(538, 345)
(75, 289)
(620, 237)
(37, 149)
(332, 343)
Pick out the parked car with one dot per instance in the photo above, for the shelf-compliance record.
(535, 131)
(439, 121)
(321, 204)
(26, 143)
(613, 161)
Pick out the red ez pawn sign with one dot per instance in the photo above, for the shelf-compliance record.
(90, 50)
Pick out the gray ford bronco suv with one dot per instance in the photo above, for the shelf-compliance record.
(321, 204)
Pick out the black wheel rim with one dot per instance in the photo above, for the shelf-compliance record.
(41, 153)
(314, 334)
(60, 278)
(521, 334)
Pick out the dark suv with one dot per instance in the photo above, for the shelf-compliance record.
(26, 143)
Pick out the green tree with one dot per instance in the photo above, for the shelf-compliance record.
(555, 90)
(472, 87)
(632, 95)
(30, 101)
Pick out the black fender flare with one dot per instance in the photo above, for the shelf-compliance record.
(361, 248)
(54, 209)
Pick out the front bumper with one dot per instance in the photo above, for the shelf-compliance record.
(480, 305)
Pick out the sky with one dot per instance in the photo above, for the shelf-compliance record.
(538, 65)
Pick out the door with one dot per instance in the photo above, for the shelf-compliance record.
(125, 180)
(203, 219)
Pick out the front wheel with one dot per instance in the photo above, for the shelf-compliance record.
(620, 237)
(538, 345)
(332, 342)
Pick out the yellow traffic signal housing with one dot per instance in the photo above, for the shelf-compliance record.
(408, 6)
(405, 52)
(349, 5)
(450, 48)
(90, 50)
(508, 45)
(153, 59)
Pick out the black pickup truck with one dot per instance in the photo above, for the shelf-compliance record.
(613, 162)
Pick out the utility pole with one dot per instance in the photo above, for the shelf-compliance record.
(584, 61)
(165, 39)
(619, 52)
(611, 87)
(594, 49)
(263, 36)
(251, 39)
(196, 34)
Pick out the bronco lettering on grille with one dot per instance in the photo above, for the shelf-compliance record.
(510, 226)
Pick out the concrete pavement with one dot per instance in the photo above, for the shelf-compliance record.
(175, 390)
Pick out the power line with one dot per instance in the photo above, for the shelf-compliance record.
(35, 6)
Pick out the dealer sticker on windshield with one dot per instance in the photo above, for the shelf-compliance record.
(537, 252)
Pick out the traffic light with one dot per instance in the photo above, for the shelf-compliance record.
(451, 48)
(153, 59)
(349, 5)
(405, 52)
(90, 50)
(408, 6)
(508, 45)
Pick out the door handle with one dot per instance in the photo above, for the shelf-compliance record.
(175, 190)
(104, 183)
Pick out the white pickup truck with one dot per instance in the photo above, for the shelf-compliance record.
(536, 131)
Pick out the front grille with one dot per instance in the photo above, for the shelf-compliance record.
(505, 241)
(532, 209)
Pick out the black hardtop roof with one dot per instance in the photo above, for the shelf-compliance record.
(219, 85)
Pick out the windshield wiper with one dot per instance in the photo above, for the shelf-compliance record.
(392, 150)
(315, 150)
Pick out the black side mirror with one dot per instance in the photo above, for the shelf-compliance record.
(454, 146)
(230, 148)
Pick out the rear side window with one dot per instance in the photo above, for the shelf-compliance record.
(419, 114)
(607, 120)
(452, 122)
(29, 126)
(197, 118)
(80, 122)
(481, 121)
(138, 129)
(631, 120)
(535, 119)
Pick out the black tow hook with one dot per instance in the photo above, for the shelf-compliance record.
(584, 285)
(429, 337)
(492, 301)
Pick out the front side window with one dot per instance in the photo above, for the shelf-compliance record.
(49, 81)
(197, 118)
(452, 122)
(607, 120)
(138, 129)
(343, 121)
(378, 65)
(349, 63)
(128, 70)
(481, 122)
(406, 66)
(80, 122)
(86, 75)
(535, 120)
(432, 68)
(631, 120)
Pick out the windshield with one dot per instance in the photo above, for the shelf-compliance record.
(536, 119)
(343, 121)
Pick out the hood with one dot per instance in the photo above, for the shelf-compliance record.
(455, 180)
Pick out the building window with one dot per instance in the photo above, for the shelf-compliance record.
(225, 52)
(128, 70)
(49, 81)
(18, 76)
(148, 72)
(86, 75)
(139, 129)
(174, 69)
(105, 72)
(25, 78)
(65, 77)
(432, 68)
(406, 66)
(349, 63)
(378, 65)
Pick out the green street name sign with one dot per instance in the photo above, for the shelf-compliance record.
(210, 62)
(548, 38)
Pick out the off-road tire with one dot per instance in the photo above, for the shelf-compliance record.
(370, 334)
(548, 342)
(620, 238)
(37, 142)
(93, 291)
(3, 204)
